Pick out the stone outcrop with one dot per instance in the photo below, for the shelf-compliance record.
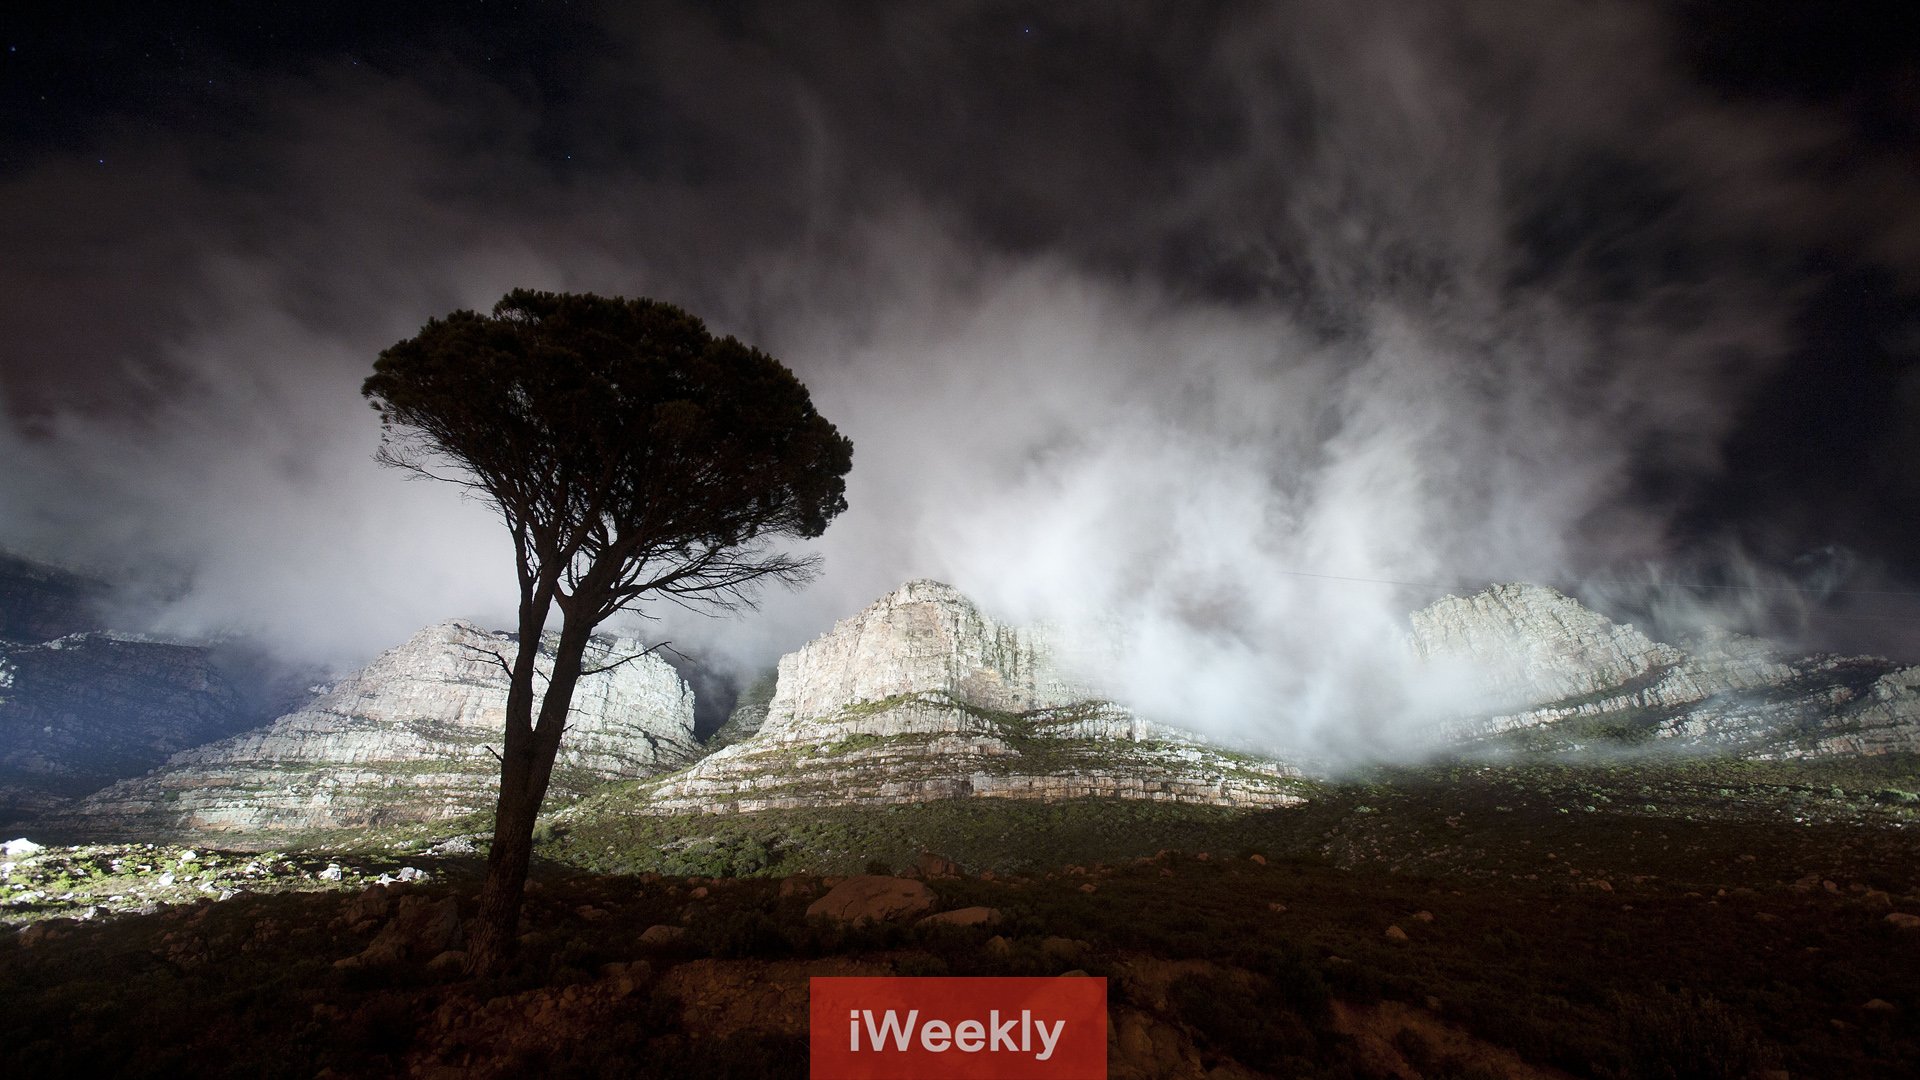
(1529, 643)
(1565, 678)
(921, 697)
(873, 898)
(924, 638)
(405, 739)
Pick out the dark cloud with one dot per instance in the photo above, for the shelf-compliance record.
(1136, 313)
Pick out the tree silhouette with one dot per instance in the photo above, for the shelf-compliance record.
(631, 453)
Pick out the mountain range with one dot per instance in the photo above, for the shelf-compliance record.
(921, 696)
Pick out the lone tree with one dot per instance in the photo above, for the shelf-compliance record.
(631, 453)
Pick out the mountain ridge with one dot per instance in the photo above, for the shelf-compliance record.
(403, 740)
(923, 696)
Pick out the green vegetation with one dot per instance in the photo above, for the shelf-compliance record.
(850, 743)
(1007, 834)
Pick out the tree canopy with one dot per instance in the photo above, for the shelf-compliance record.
(613, 431)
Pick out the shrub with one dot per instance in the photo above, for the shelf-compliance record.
(1687, 1036)
(1256, 1020)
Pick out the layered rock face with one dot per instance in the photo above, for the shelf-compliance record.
(405, 739)
(1564, 677)
(749, 713)
(80, 712)
(923, 638)
(921, 696)
(1529, 643)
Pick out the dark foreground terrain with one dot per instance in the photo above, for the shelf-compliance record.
(1702, 920)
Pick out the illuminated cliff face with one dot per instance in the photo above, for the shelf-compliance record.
(921, 696)
(922, 638)
(1554, 675)
(404, 739)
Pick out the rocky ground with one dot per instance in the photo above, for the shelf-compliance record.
(59, 884)
(1473, 920)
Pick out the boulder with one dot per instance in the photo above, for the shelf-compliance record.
(872, 898)
(936, 866)
(662, 934)
(420, 928)
(1064, 949)
(451, 960)
(375, 903)
(966, 916)
(46, 930)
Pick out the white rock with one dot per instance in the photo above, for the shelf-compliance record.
(17, 848)
(1529, 644)
(405, 739)
(921, 696)
(924, 637)
(1543, 659)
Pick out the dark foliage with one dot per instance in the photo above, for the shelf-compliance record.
(615, 434)
(631, 454)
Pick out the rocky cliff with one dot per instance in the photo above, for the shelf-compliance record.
(749, 713)
(1526, 644)
(1559, 676)
(405, 739)
(82, 711)
(921, 696)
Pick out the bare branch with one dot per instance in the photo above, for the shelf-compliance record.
(648, 651)
(491, 654)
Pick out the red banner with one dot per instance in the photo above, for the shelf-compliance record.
(958, 1029)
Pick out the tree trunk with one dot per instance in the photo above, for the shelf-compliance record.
(496, 923)
(526, 768)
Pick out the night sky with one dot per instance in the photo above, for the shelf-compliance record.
(1211, 318)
